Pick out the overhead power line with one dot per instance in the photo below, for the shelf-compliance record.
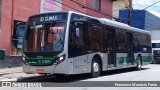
(83, 6)
(151, 5)
(148, 7)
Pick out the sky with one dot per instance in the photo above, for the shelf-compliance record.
(141, 4)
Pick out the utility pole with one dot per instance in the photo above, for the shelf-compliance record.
(130, 12)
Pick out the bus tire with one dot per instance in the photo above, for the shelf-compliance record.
(95, 68)
(139, 63)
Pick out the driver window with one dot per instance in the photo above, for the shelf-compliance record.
(78, 39)
(78, 35)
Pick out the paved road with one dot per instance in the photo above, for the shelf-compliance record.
(149, 72)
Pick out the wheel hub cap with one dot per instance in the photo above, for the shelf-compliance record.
(96, 67)
(139, 64)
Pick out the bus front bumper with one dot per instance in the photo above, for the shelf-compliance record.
(156, 59)
(42, 69)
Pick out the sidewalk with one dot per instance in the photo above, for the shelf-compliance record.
(10, 62)
(14, 74)
(11, 69)
(10, 73)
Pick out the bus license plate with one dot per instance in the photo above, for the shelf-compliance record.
(40, 70)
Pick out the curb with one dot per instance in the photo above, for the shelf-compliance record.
(7, 79)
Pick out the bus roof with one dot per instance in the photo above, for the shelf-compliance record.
(155, 41)
(121, 25)
(114, 23)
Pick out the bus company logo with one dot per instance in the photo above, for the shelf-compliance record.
(16, 84)
(6, 84)
(48, 18)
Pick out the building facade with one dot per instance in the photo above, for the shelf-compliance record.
(141, 19)
(119, 5)
(14, 14)
(155, 35)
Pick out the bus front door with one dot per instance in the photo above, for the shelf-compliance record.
(111, 49)
(130, 55)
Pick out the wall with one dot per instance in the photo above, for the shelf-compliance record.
(5, 33)
(72, 6)
(106, 9)
(155, 34)
(152, 22)
(119, 5)
(22, 10)
(141, 19)
(138, 19)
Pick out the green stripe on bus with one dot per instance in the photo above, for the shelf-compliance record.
(123, 60)
(42, 61)
(146, 58)
(135, 59)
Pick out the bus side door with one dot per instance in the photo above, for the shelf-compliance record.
(111, 48)
(130, 49)
(78, 47)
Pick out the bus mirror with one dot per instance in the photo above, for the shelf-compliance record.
(77, 32)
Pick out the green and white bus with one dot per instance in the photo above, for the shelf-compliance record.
(63, 43)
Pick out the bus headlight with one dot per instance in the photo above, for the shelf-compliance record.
(59, 60)
(24, 59)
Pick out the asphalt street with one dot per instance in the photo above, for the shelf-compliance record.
(148, 73)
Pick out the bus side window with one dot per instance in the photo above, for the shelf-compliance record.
(79, 35)
(135, 42)
(121, 41)
(95, 37)
(77, 39)
(105, 39)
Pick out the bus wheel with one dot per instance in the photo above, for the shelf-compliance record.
(139, 63)
(95, 68)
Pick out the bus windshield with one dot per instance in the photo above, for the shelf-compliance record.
(45, 37)
(155, 45)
